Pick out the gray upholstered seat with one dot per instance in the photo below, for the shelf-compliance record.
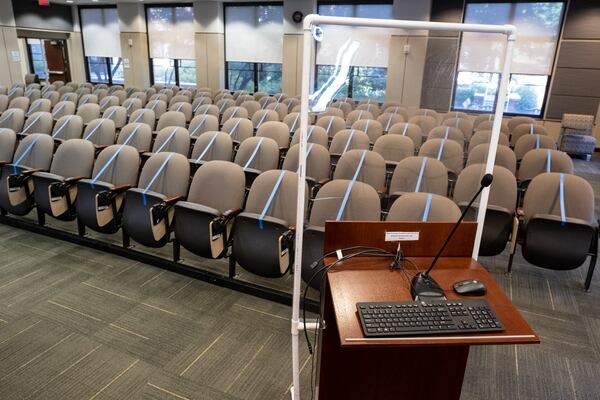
(348, 139)
(38, 122)
(331, 124)
(63, 108)
(465, 125)
(88, 112)
(261, 117)
(239, 129)
(51, 95)
(410, 130)
(449, 152)
(559, 230)
(99, 202)
(108, 101)
(397, 109)
(516, 121)
(530, 142)
(183, 107)
(212, 145)
(315, 134)
(118, 114)
(39, 105)
(252, 106)
(487, 126)
(371, 127)
(101, 132)
(132, 105)
(203, 223)
(203, 123)
(211, 109)
(277, 131)
(56, 191)
(159, 107)
(357, 115)
(483, 137)
(388, 119)
(87, 98)
(280, 108)
(20, 102)
(68, 127)
(317, 162)
(256, 155)
(148, 212)
(538, 161)
(263, 235)
(171, 119)
(234, 112)
(372, 107)
(13, 118)
(447, 132)
(526, 129)
(137, 135)
(419, 174)
(363, 166)
(172, 139)
(144, 116)
(8, 141)
(500, 213)
(423, 207)
(394, 148)
(505, 157)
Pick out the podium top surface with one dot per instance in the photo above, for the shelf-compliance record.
(370, 279)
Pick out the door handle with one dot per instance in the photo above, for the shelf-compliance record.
(57, 72)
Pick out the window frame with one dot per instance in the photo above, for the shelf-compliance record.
(175, 60)
(31, 60)
(350, 78)
(255, 74)
(255, 64)
(510, 77)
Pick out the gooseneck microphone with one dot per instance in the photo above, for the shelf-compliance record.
(424, 286)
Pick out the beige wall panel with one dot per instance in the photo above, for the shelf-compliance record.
(396, 66)
(413, 71)
(210, 60)
(138, 73)
(75, 48)
(11, 43)
(290, 78)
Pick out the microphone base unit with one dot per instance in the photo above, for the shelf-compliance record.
(424, 287)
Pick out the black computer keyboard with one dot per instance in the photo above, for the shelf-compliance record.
(415, 318)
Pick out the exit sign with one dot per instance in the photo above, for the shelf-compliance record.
(44, 2)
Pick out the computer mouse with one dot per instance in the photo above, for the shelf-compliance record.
(470, 287)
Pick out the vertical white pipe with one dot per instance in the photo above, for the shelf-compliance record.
(491, 157)
(306, 72)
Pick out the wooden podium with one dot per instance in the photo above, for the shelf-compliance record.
(421, 367)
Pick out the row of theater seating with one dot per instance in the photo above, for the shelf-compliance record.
(357, 170)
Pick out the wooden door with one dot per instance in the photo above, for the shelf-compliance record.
(57, 59)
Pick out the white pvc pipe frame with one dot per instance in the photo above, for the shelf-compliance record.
(311, 20)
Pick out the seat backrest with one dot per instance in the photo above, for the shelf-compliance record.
(332, 111)
(399, 110)
(38, 122)
(481, 118)
(137, 135)
(208, 109)
(172, 139)
(426, 112)
(73, 157)
(260, 153)
(166, 173)
(8, 140)
(100, 132)
(530, 142)
(53, 96)
(447, 132)
(183, 107)
(292, 120)
(40, 105)
(357, 115)
(349, 139)
(251, 106)
(482, 137)
(87, 98)
(345, 201)
(317, 161)
(171, 118)
(283, 186)
(159, 107)
(316, 134)
(526, 129)
(144, 116)
(263, 116)
(373, 108)
(108, 101)
(277, 131)
(34, 151)
(239, 129)
(179, 99)
(117, 164)
(207, 186)
(13, 118)
(465, 125)
(342, 105)
(538, 161)
(132, 104)
(423, 207)
(4, 103)
(233, 112)
(203, 123)
(199, 102)
(212, 145)
(420, 174)
(543, 197)
(63, 108)
(371, 127)
(387, 120)
(331, 124)
(425, 122)
(280, 108)
(118, 114)
(362, 165)
(394, 148)
(413, 131)
(449, 152)
(505, 157)
(516, 121)
(487, 126)
(88, 112)
(68, 127)
(19, 102)
(503, 190)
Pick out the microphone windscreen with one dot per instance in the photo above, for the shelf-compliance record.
(487, 180)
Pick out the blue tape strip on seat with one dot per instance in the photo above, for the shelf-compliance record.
(58, 109)
(405, 129)
(549, 162)
(8, 115)
(563, 217)
(212, 140)
(329, 125)
(114, 156)
(295, 122)
(140, 116)
(254, 153)
(270, 200)
(387, 126)
(235, 127)
(221, 108)
(421, 171)
(441, 150)
(110, 114)
(312, 128)
(24, 154)
(348, 141)
(349, 189)
(36, 119)
(180, 106)
(62, 126)
(162, 146)
(531, 129)
(446, 134)
(154, 105)
(537, 141)
(158, 172)
(261, 120)
(457, 122)
(427, 207)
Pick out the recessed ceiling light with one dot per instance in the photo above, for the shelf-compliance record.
(69, 1)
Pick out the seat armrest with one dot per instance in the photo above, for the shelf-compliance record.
(73, 180)
(32, 171)
(232, 213)
(169, 201)
(120, 188)
(2, 164)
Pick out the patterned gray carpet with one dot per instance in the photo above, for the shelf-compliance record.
(76, 323)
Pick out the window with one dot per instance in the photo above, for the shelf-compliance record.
(171, 39)
(102, 44)
(367, 72)
(37, 58)
(253, 47)
(479, 66)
